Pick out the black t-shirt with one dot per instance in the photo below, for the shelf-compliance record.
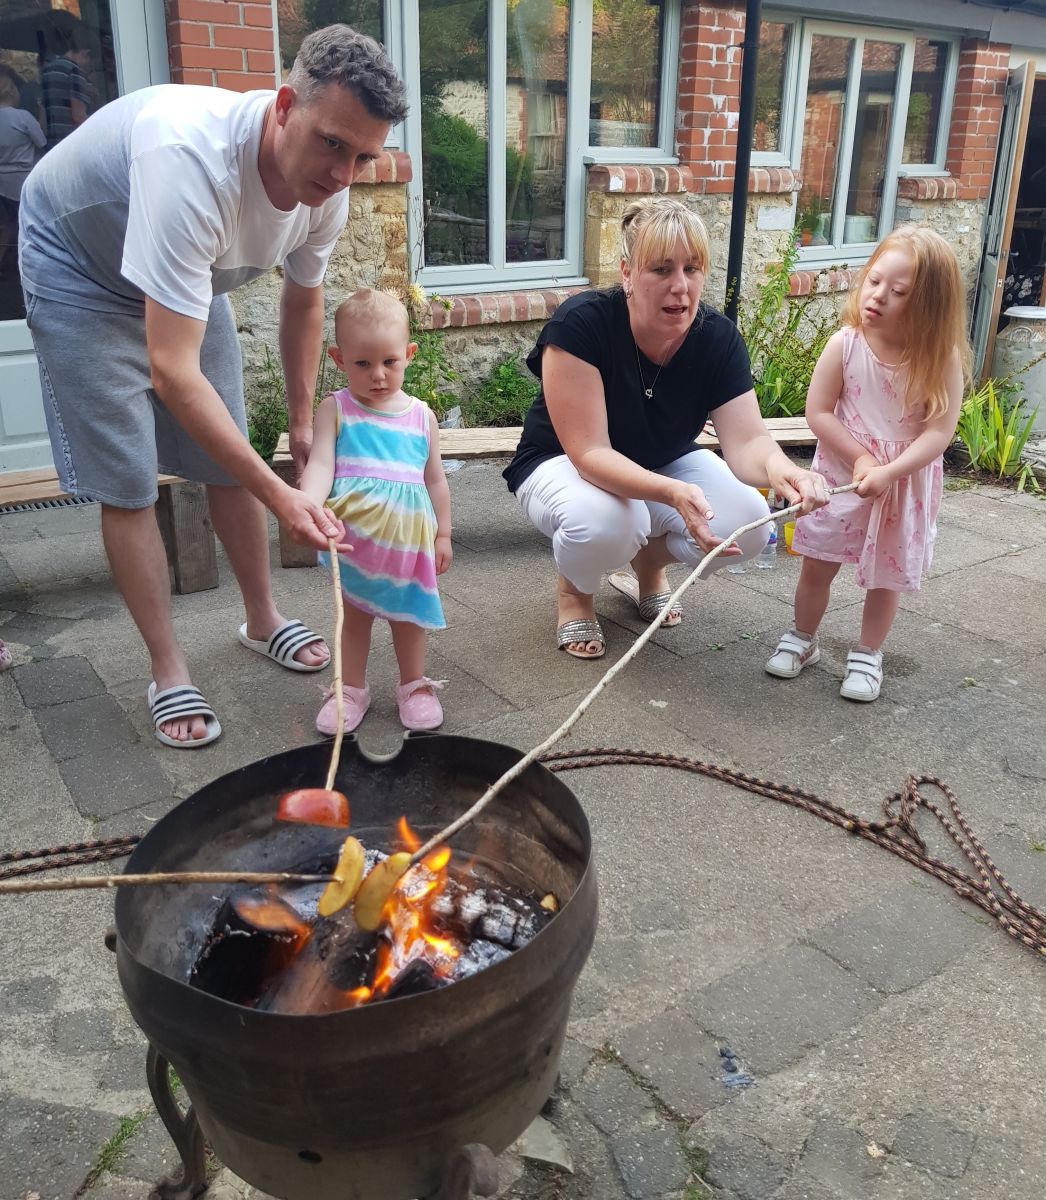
(710, 368)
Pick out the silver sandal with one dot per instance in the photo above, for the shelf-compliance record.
(649, 606)
(582, 630)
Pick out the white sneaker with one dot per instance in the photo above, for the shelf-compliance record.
(864, 675)
(792, 654)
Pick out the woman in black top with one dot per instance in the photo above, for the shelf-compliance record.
(607, 467)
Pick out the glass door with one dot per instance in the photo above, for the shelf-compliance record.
(58, 64)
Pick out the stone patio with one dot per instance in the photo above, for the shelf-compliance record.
(772, 1010)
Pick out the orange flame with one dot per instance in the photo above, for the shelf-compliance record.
(407, 835)
(411, 929)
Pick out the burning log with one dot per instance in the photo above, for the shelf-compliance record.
(336, 961)
(255, 935)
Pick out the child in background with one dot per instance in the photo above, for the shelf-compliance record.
(375, 463)
(884, 402)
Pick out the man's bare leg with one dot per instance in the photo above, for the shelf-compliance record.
(139, 565)
(240, 522)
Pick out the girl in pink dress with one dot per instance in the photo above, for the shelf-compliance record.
(884, 402)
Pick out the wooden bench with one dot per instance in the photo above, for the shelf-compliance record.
(181, 512)
(498, 443)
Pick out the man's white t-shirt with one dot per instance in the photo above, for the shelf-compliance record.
(158, 194)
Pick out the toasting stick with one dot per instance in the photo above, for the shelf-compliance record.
(517, 770)
(158, 877)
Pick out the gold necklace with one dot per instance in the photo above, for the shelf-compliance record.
(647, 391)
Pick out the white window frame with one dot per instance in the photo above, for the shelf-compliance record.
(794, 108)
(499, 274)
(951, 73)
(789, 103)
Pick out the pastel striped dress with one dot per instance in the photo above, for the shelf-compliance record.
(379, 492)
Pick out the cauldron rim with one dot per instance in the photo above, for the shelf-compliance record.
(379, 1012)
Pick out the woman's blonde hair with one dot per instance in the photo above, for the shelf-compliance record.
(934, 319)
(8, 91)
(650, 229)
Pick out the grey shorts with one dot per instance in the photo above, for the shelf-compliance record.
(110, 434)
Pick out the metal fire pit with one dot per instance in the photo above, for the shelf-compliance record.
(392, 1101)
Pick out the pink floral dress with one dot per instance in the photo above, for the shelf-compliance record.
(890, 537)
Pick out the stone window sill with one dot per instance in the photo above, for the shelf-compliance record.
(809, 283)
(496, 308)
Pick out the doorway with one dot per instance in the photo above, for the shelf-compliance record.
(58, 64)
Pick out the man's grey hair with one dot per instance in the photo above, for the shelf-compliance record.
(339, 54)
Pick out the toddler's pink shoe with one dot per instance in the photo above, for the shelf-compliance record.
(420, 709)
(356, 701)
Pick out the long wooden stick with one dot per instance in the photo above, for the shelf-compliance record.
(339, 699)
(515, 771)
(159, 877)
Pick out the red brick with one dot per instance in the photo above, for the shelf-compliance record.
(243, 82)
(189, 33)
(253, 14)
(242, 37)
(211, 11)
(262, 61)
(206, 57)
(205, 78)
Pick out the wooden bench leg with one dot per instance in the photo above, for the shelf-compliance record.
(291, 554)
(185, 525)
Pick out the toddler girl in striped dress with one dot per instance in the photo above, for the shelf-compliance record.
(375, 463)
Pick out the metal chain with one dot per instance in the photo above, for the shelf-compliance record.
(71, 855)
(897, 833)
(988, 888)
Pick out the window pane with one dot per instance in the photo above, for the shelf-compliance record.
(57, 66)
(626, 72)
(924, 104)
(300, 17)
(774, 39)
(875, 102)
(822, 132)
(454, 130)
(535, 130)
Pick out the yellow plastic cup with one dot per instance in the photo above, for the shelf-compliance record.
(789, 530)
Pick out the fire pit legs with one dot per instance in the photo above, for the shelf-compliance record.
(472, 1172)
(184, 1130)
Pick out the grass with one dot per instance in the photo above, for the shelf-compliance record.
(114, 1149)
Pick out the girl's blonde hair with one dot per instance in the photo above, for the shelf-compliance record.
(371, 307)
(934, 319)
(650, 229)
(8, 91)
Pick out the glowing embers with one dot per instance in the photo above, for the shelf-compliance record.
(438, 923)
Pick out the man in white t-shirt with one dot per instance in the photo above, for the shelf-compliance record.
(132, 230)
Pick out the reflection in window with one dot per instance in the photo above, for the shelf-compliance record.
(57, 66)
(774, 37)
(627, 38)
(301, 17)
(924, 103)
(822, 131)
(535, 130)
(875, 101)
(454, 130)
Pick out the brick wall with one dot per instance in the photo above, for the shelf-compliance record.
(229, 45)
(980, 91)
(709, 92)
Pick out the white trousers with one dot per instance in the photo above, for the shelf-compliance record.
(594, 532)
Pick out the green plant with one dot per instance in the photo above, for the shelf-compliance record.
(267, 411)
(994, 434)
(429, 371)
(504, 396)
(784, 340)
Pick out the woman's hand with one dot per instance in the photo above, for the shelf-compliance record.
(796, 485)
(690, 502)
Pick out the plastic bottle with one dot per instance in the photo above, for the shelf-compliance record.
(737, 566)
(766, 560)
